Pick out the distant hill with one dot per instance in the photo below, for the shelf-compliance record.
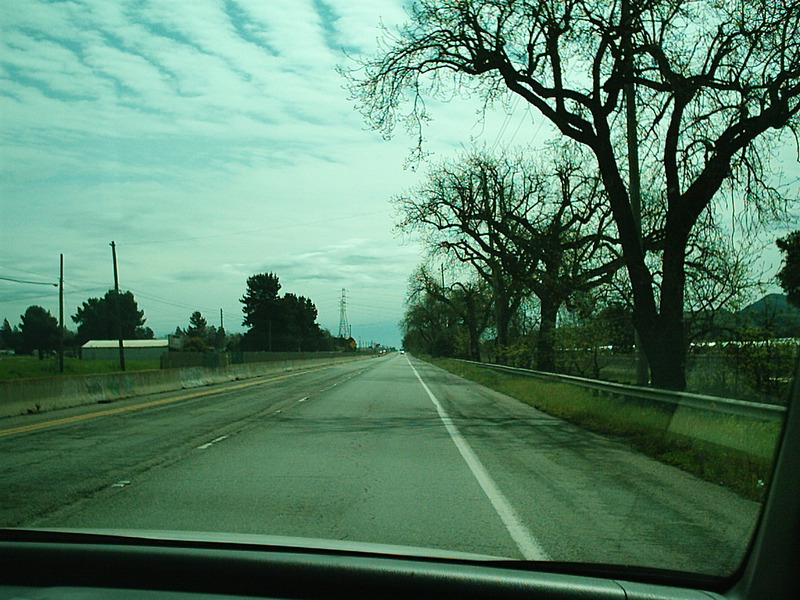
(774, 313)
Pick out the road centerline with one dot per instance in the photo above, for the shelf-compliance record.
(526, 542)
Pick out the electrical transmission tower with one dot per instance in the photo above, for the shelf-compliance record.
(344, 327)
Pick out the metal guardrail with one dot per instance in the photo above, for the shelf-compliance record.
(727, 406)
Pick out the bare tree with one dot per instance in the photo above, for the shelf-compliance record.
(470, 301)
(721, 276)
(526, 227)
(465, 210)
(427, 326)
(716, 80)
(576, 236)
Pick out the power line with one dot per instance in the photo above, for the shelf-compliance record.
(248, 231)
(506, 122)
(167, 302)
(29, 282)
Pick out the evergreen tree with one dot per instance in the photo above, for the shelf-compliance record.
(789, 275)
(38, 331)
(278, 323)
(105, 318)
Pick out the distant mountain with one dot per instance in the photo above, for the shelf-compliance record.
(772, 316)
(774, 313)
(770, 302)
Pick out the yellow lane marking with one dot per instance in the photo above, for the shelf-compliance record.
(111, 411)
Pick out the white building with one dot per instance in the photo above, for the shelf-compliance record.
(134, 349)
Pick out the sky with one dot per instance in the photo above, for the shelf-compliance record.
(210, 141)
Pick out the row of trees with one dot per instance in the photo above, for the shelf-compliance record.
(38, 331)
(525, 240)
(103, 318)
(199, 336)
(524, 227)
(284, 322)
(700, 113)
(276, 323)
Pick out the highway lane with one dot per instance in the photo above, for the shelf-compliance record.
(53, 459)
(362, 452)
(594, 498)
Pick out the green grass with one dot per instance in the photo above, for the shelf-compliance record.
(726, 449)
(26, 367)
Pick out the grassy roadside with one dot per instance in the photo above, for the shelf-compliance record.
(26, 367)
(695, 441)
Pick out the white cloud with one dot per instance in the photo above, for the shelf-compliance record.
(210, 141)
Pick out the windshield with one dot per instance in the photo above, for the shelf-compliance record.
(353, 273)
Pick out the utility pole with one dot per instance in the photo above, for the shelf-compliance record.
(219, 339)
(61, 314)
(634, 185)
(116, 308)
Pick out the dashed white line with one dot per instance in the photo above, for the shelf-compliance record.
(212, 442)
(303, 399)
(524, 539)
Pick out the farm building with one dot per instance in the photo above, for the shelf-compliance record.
(134, 349)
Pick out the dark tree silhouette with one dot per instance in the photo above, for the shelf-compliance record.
(789, 275)
(278, 323)
(526, 226)
(713, 102)
(38, 331)
(470, 303)
(98, 318)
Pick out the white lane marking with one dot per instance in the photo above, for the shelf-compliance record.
(303, 399)
(122, 483)
(212, 442)
(524, 539)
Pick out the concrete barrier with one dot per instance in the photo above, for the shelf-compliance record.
(25, 396)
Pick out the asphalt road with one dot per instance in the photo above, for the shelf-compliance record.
(388, 450)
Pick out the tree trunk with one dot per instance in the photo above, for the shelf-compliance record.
(668, 358)
(502, 321)
(661, 332)
(545, 353)
(474, 343)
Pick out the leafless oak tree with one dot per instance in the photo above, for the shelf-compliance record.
(527, 226)
(716, 82)
(469, 300)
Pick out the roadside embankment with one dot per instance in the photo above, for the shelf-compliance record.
(24, 396)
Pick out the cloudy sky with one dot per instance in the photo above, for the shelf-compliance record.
(210, 140)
